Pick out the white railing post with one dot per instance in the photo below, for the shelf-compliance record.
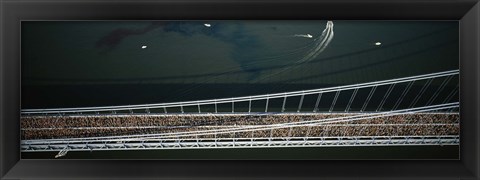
(372, 91)
(301, 102)
(318, 102)
(198, 105)
(404, 93)
(266, 105)
(351, 100)
(249, 105)
(334, 101)
(440, 88)
(387, 94)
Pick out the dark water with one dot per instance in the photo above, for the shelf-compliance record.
(76, 64)
(309, 153)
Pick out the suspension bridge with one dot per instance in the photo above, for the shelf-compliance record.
(352, 109)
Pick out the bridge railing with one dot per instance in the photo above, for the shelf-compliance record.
(331, 141)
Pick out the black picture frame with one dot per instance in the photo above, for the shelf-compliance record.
(467, 12)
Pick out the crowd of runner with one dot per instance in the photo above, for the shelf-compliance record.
(47, 127)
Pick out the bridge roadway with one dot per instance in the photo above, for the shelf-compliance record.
(188, 139)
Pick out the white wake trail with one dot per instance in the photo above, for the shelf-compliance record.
(321, 44)
(323, 41)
